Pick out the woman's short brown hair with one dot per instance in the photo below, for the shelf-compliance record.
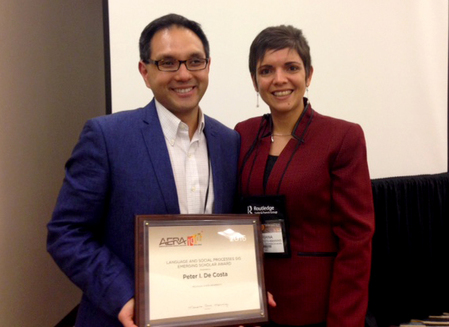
(278, 38)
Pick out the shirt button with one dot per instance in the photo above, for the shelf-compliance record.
(193, 188)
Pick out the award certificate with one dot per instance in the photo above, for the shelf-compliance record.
(202, 270)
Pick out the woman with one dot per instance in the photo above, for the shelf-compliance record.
(317, 165)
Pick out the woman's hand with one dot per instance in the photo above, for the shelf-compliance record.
(271, 301)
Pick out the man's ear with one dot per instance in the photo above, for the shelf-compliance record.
(208, 65)
(143, 70)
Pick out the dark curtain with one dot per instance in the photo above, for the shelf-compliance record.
(410, 265)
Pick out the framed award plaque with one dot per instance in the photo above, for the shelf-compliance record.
(199, 270)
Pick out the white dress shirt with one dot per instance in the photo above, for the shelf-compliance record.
(190, 162)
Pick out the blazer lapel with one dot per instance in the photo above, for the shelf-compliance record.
(215, 155)
(160, 159)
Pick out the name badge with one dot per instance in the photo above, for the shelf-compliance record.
(271, 209)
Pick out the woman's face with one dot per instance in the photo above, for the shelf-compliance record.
(281, 80)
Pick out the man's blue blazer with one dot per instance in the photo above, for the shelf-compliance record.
(121, 168)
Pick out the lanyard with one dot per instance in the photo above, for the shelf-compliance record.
(208, 181)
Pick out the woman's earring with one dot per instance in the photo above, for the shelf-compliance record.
(257, 103)
(307, 91)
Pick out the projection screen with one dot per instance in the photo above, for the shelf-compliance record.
(382, 64)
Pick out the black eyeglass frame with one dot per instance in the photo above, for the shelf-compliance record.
(180, 62)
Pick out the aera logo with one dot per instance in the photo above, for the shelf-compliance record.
(173, 241)
(191, 240)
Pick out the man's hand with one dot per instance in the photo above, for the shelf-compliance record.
(126, 315)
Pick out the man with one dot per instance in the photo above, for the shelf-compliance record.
(165, 158)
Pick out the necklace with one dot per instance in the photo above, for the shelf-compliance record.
(274, 134)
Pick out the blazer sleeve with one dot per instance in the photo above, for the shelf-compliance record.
(353, 225)
(75, 231)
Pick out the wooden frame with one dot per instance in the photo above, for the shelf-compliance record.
(201, 270)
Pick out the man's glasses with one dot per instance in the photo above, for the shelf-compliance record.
(173, 65)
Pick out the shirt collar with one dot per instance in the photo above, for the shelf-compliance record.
(171, 124)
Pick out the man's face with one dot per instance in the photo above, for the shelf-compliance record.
(180, 91)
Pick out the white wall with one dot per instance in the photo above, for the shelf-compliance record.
(382, 64)
(51, 81)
